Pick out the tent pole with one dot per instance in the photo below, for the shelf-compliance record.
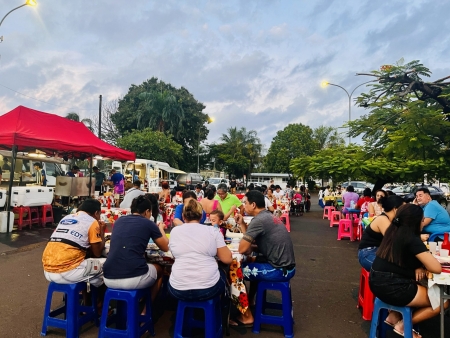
(90, 175)
(11, 179)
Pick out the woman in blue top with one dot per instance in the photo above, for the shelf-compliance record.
(178, 215)
(126, 267)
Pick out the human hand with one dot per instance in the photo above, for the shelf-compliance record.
(161, 226)
(424, 237)
(102, 226)
(420, 273)
(239, 219)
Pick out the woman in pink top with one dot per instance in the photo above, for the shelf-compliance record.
(349, 196)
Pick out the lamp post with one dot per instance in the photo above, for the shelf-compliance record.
(27, 3)
(210, 120)
(326, 83)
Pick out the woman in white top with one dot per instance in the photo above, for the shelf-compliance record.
(375, 208)
(195, 274)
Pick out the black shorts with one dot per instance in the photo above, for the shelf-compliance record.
(392, 288)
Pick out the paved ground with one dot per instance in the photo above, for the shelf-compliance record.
(324, 289)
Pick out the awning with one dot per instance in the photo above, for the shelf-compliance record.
(170, 169)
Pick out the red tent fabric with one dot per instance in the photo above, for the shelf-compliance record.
(31, 129)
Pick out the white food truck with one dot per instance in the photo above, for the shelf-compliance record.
(150, 173)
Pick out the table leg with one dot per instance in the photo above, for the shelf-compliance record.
(441, 288)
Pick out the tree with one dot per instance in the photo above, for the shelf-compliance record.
(137, 109)
(109, 132)
(295, 140)
(239, 152)
(327, 137)
(75, 117)
(153, 145)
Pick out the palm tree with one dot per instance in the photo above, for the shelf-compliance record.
(327, 137)
(73, 116)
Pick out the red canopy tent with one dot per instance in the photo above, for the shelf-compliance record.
(30, 129)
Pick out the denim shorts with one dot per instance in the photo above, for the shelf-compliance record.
(266, 272)
(392, 288)
(366, 257)
(201, 294)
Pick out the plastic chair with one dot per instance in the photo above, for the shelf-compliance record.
(75, 314)
(24, 219)
(434, 236)
(34, 215)
(327, 212)
(285, 216)
(212, 323)
(46, 214)
(336, 216)
(380, 312)
(286, 320)
(128, 318)
(365, 295)
(345, 229)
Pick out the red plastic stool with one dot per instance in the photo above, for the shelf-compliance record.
(35, 219)
(327, 212)
(365, 295)
(46, 214)
(24, 217)
(345, 229)
(336, 216)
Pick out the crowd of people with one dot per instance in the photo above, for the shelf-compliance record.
(74, 253)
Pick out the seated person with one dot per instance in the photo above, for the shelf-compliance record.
(164, 194)
(348, 197)
(436, 219)
(363, 202)
(374, 232)
(209, 204)
(276, 260)
(195, 274)
(216, 217)
(269, 204)
(199, 192)
(156, 215)
(131, 194)
(178, 216)
(402, 260)
(64, 258)
(126, 267)
(228, 201)
(376, 208)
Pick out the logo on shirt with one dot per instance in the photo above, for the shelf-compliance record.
(68, 221)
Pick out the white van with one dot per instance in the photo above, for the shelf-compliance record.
(151, 173)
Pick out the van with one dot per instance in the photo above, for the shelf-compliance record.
(188, 181)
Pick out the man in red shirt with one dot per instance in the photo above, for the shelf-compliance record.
(363, 202)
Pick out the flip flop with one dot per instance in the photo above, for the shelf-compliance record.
(240, 324)
(403, 334)
(390, 324)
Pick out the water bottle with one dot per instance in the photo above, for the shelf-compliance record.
(352, 204)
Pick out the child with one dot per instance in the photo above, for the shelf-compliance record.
(216, 217)
(298, 199)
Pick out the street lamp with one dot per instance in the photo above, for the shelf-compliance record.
(210, 120)
(326, 83)
(31, 3)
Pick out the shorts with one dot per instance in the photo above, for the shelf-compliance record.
(366, 257)
(266, 272)
(134, 283)
(392, 288)
(78, 274)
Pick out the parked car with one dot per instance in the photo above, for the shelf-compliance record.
(215, 181)
(188, 181)
(408, 193)
(359, 186)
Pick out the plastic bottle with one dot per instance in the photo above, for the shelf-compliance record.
(352, 204)
(446, 242)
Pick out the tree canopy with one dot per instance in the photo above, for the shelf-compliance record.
(162, 107)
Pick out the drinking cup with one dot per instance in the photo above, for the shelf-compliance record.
(439, 244)
(433, 247)
(444, 253)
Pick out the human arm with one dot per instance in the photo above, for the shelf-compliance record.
(426, 221)
(178, 216)
(224, 255)
(229, 213)
(371, 209)
(431, 264)
(97, 230)
(245, 246)
(162, 242)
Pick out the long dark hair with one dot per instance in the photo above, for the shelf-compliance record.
(404, 227)
(210, 192)
(391, 202)
(154, 200)
(140, 204)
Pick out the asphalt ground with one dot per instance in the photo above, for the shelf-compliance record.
(324, 288)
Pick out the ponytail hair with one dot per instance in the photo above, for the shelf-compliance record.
(192, 211)
(140, 204)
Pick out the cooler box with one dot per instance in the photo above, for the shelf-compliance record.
(2, 197)
(31, 196)
(4, 221)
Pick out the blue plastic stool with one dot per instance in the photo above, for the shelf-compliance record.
(286, 320)
(212, 323)
(128, 318)
(433, 236)
(380, 312)
(71, 309)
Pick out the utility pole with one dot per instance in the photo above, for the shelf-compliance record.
(100, 117)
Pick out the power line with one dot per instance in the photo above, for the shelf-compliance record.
(33, 98)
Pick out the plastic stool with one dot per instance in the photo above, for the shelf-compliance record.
(336, 216)
(380, 312)
(34, 215)
(286, 320)
(345, 229)
(128, 322)
(46, 214)
(72, 309)
(365, 295)
(24, 217)
(327, 212)
(286, 217)
(212, 323)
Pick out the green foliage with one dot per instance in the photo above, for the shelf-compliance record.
(155, 145)
(162, 107)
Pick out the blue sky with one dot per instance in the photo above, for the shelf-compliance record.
(254, 64)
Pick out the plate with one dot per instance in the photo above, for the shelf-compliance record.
(247, 219)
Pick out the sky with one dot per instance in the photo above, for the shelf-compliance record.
(256, 64)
